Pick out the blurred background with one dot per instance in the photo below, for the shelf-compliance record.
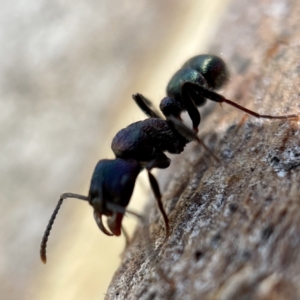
(67, 73)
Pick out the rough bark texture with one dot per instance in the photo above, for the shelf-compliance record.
(235, 226)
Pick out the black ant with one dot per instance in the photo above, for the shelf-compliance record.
(191, 85)
(142, 144)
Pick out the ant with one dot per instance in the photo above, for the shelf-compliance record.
(191, 85)
(139, 146)
(142, 144)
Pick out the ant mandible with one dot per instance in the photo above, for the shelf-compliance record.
(191, 85)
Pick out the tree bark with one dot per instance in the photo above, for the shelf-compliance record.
(235, 225)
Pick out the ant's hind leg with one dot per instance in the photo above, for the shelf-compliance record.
(219, 98)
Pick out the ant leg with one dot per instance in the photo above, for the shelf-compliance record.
(157, 193)
(162, 161)
(189, 134)
(64, 196)
(219, 98)
(190, 107)
(146, 106)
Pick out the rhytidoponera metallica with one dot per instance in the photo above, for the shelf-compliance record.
(141, 145)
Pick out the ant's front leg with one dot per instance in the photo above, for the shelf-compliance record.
(161, 161)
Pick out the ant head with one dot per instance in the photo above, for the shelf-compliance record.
(212, 67)
(111, 188)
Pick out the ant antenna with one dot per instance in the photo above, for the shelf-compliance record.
(110, 206)
(64, 196)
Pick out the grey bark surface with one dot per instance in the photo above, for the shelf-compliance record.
(235, 225)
